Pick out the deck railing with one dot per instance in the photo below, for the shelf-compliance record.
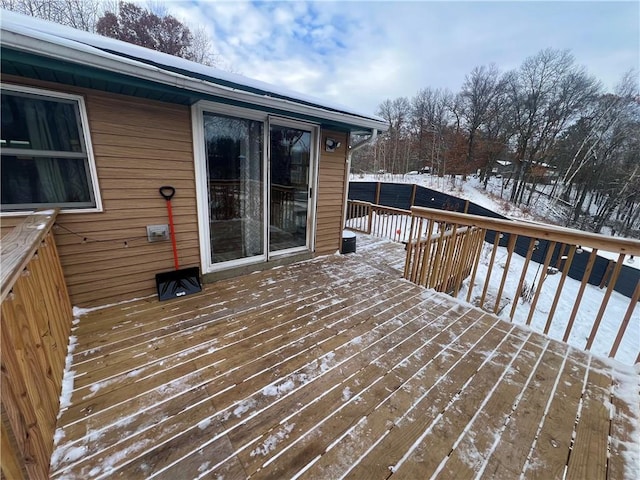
(36, 324)
(378, 220)
(513, 284)
(442, 260)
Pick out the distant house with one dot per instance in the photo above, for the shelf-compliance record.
(543, 172)
(95, 126)
(502, 167)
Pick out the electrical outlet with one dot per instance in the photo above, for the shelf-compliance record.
(157, 233)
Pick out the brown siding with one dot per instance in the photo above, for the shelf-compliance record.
(139, 145)
(331, 183)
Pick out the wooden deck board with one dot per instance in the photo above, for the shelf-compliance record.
(474, 446)
(335, 368)
(589, 454)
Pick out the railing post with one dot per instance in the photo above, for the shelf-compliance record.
(605, 300)
(625, 322)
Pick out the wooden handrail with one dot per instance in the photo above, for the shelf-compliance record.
(19, 246)
(628, 246)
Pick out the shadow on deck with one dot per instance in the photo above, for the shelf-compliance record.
(337, 368)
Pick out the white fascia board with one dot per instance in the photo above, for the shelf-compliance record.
(79, 53)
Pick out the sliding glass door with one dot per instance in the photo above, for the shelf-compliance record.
(254, 177)
(289, 162)
(235, 183)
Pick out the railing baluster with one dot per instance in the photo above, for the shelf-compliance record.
(384, 217)
(394, 227)
(432, 274)
(423, 260)
(583, 285)
(425, 265)
(547, 260)
(476, 261)
(510, 246)
(605, 300)
(625, 322)
(565, 272)
(464, 252)
(523, 275)
(449, 253)
(409, 248)
(417, 255)
(496, 242)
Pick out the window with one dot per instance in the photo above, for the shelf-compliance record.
(46, 158)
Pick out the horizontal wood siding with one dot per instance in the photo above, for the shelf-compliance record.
(331, 184)
(139, 145)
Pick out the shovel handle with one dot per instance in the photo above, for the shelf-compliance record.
(167, 192)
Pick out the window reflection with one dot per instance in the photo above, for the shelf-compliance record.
(234, 169)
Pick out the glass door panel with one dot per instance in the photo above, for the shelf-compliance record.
(235, 182)
(290, 155)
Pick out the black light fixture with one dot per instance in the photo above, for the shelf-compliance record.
(331, 144)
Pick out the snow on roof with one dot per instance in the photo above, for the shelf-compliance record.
(128, 53)
(504, 163)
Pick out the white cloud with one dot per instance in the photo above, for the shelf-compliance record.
(360, 53)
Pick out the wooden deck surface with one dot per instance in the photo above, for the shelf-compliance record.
(337, 368)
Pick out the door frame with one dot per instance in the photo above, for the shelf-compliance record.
(202, 194)
(312, 182)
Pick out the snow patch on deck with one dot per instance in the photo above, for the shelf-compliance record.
(204, 423)
(626, 387)
(346, 394)
(244, 406)
(68, 376)
(272, 440)
(276, 390)
(78, 311)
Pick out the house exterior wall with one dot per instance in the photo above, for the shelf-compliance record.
(140, 145)
(332, 173)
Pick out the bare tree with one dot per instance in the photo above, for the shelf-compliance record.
(429, 117)
(201, 48)
(497, 130)
(546, 94)
(396, 113)
(152, 27)
(80, 14)
(479, 90)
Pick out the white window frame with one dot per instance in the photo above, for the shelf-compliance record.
(86, 137)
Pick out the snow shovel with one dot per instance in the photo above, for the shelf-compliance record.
(177, 283)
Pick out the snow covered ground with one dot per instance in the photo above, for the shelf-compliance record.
(471, 190)
(587, 312)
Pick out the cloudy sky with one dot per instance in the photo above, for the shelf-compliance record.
(359, 53)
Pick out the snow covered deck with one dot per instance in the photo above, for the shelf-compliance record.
(337, 368)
